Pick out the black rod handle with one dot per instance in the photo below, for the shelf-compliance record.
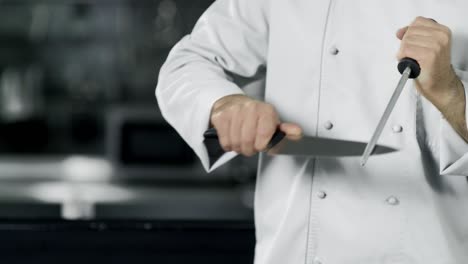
(412, 64)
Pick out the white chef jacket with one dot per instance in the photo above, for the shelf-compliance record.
(331, 68)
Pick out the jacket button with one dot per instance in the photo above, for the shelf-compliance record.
(333, 50)
(392, 200)
(397, 128)
(328, 125)
(321, 195)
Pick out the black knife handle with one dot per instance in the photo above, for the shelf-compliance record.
(412, 64)
(215, 149)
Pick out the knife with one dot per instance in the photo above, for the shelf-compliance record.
(305, 146)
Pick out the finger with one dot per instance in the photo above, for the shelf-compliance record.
(424, 21)
(441, 33)
(266, 127)
(222, 125)
(415, 52)
(222, 130)
(248, 135)
(417, 30)
(421, 41)
(291, 129)
(295, 137)
(421, 31)
(235, 129)
(401, 32)
(432, 24)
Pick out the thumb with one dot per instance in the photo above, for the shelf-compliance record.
(401, 33)
(291, 129)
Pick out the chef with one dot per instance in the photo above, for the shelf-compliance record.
(330, 69)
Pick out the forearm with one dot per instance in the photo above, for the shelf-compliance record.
(454, 109)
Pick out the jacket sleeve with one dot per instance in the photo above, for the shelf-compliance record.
(230, 37)
(453, 148)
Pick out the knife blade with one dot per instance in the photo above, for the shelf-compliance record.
(304, 146)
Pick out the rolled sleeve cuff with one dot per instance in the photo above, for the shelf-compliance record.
(210, 95)
(454, 149)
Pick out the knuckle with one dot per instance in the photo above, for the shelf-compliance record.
(216, 116)
(248, 142)
(221, 126)
(226, 149)
(225, 145)
(236, 146)
(269, 109)
(217, 121)
(247, 150)
(447, 30)
(260, 146)
(223, 139)
(445, 38)
(265, 132)
(250, 105)
(223, 114)
(418, 19)
(446, 41)
(233, 109)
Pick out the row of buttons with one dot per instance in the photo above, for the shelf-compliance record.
(396, 128)
(328, 125)
(392, 200)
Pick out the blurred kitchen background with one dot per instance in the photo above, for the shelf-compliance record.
(85, 152)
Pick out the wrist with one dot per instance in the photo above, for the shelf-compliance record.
(445, 93)
(455, 110)
(453, 95)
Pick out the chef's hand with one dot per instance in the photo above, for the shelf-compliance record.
(245, 125)
(429, 43)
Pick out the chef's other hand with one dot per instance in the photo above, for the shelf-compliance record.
(246, 125)
(429, 43)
